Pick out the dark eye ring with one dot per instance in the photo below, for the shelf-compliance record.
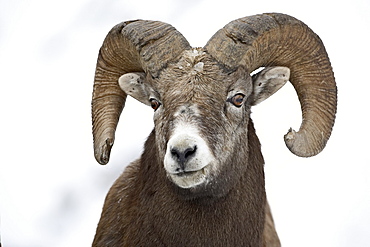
(155, 104)
(237, 100)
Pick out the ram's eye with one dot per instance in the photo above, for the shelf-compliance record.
(155, 104)
(237, 100)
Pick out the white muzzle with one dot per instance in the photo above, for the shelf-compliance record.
(188, 158)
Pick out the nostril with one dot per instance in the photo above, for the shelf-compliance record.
(190, 152)
(183, 155)
(175, 152)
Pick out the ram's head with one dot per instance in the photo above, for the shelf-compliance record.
(202, 96)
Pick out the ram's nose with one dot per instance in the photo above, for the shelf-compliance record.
(182, 155)
(185, 154)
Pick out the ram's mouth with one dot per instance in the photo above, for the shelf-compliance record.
(189, 173)
(189, 179)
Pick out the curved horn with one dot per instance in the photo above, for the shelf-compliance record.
(281, 40)
(134, 46)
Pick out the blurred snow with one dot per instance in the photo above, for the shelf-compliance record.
(51, 188)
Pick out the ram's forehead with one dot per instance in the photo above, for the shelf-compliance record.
(196, 69)
(196, 89)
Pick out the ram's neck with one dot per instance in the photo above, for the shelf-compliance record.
(234, 220)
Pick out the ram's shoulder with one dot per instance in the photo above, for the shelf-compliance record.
(119, 209)
(124, 184)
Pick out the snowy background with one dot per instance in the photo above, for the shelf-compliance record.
(52, 189)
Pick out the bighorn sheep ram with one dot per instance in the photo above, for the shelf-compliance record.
(200, 179)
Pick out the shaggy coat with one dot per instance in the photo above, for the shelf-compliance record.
(143, 208)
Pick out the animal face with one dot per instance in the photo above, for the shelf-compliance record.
(201, 114)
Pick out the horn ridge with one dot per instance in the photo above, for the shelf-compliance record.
(275, 39)
(132, 46)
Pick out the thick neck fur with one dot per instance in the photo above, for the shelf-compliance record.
(152, 214)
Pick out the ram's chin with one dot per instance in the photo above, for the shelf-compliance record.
(188, 180)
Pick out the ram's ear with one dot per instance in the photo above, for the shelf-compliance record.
(267, 82)
(133, 84)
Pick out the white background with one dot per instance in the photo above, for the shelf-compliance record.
(51, 187)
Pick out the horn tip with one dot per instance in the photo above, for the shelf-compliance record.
(299, 144)
(102, 152)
